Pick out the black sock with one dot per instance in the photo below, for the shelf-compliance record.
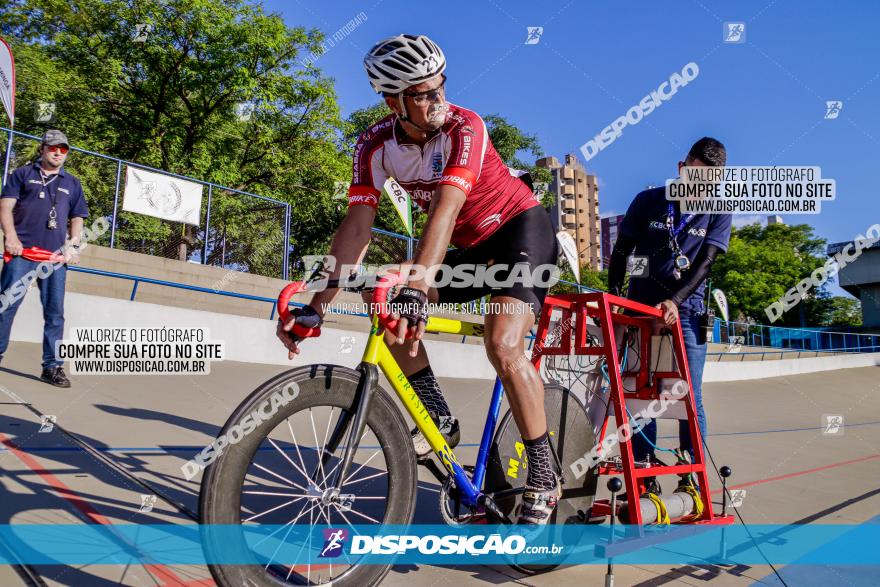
(429, 392)
(540, 470)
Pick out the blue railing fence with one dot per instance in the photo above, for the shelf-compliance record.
(805, 339)
(267, 220)
(269, 229)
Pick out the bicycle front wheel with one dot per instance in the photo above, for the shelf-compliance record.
(275, 475)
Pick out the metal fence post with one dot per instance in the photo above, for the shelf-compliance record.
(115, 203)
(207, 225)
(8, 155)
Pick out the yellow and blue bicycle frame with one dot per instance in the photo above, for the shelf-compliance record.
(378, 355)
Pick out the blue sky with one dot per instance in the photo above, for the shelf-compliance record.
(764, 98)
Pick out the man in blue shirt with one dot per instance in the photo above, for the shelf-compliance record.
(680, 250)
(37, 204)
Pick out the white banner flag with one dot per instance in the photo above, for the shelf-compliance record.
(721, 300)
(402, 202)
(162, 196)
(7, 80)
(569, 249)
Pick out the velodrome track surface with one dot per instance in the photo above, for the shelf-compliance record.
(769, 431)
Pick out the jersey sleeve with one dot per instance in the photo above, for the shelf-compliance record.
(12, 189)
(718, 231)
(468, 140)
(634, 222)
(79, 208)
(368, 174)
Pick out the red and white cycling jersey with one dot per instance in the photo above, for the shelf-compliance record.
(459, 154)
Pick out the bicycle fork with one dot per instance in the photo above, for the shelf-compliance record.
(361, 407)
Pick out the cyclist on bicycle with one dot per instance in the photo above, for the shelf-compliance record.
(442, 155)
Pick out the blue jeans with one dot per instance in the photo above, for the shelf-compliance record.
(696, 358)
(51, 296)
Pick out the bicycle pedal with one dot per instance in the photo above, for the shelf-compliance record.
(480, 517)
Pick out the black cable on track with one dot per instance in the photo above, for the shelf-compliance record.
(743, 522)
(183, 509)
(28, 573)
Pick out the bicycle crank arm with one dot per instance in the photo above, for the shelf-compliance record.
(367, 383)
(488, 503)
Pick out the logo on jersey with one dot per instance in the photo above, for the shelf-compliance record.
(334, 540)
(489, 220)
(369, 199)
(467, 129)
(459, 181)
(437, 164)
(465, 149)
(699, 232)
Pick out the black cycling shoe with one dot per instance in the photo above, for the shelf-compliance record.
(449, 428)
(55, 376)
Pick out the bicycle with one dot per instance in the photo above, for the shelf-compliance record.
(366, 468)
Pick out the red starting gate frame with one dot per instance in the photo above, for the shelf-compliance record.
(604, 307)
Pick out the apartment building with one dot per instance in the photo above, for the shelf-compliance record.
(576, 206)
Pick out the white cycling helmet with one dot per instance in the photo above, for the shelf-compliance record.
(399, 62)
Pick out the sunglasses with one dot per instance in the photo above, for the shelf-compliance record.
(63, 149)
(421, 98)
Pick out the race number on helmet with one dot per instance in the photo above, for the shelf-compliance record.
(399, 62)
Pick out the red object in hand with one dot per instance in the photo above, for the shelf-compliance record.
(380, 299)
(36, 254)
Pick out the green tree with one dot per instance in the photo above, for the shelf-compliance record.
(762, 264)
(511, 142)
(840, 311)
(597, 280)
(170, 102)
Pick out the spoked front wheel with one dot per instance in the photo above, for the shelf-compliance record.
(282, 474)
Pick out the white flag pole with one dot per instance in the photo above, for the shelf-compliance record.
(7, 93)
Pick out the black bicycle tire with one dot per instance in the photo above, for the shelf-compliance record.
(498, 480)
(220, 494)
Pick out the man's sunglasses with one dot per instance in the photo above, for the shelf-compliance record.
(63, 149)
(432, 95)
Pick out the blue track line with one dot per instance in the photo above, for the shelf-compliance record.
(193, 448)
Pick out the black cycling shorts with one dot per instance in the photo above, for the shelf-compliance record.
(526, 239)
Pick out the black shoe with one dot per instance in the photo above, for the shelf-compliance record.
(55, 376)
(449, 428)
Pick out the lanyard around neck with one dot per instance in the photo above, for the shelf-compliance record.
(52, 194)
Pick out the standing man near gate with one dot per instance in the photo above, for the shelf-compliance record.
(680, 249)
(38, 203)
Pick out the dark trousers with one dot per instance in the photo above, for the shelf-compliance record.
(51, 295)
(696, 357)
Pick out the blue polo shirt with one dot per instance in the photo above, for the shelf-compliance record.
(645, 222)
(31, 213)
